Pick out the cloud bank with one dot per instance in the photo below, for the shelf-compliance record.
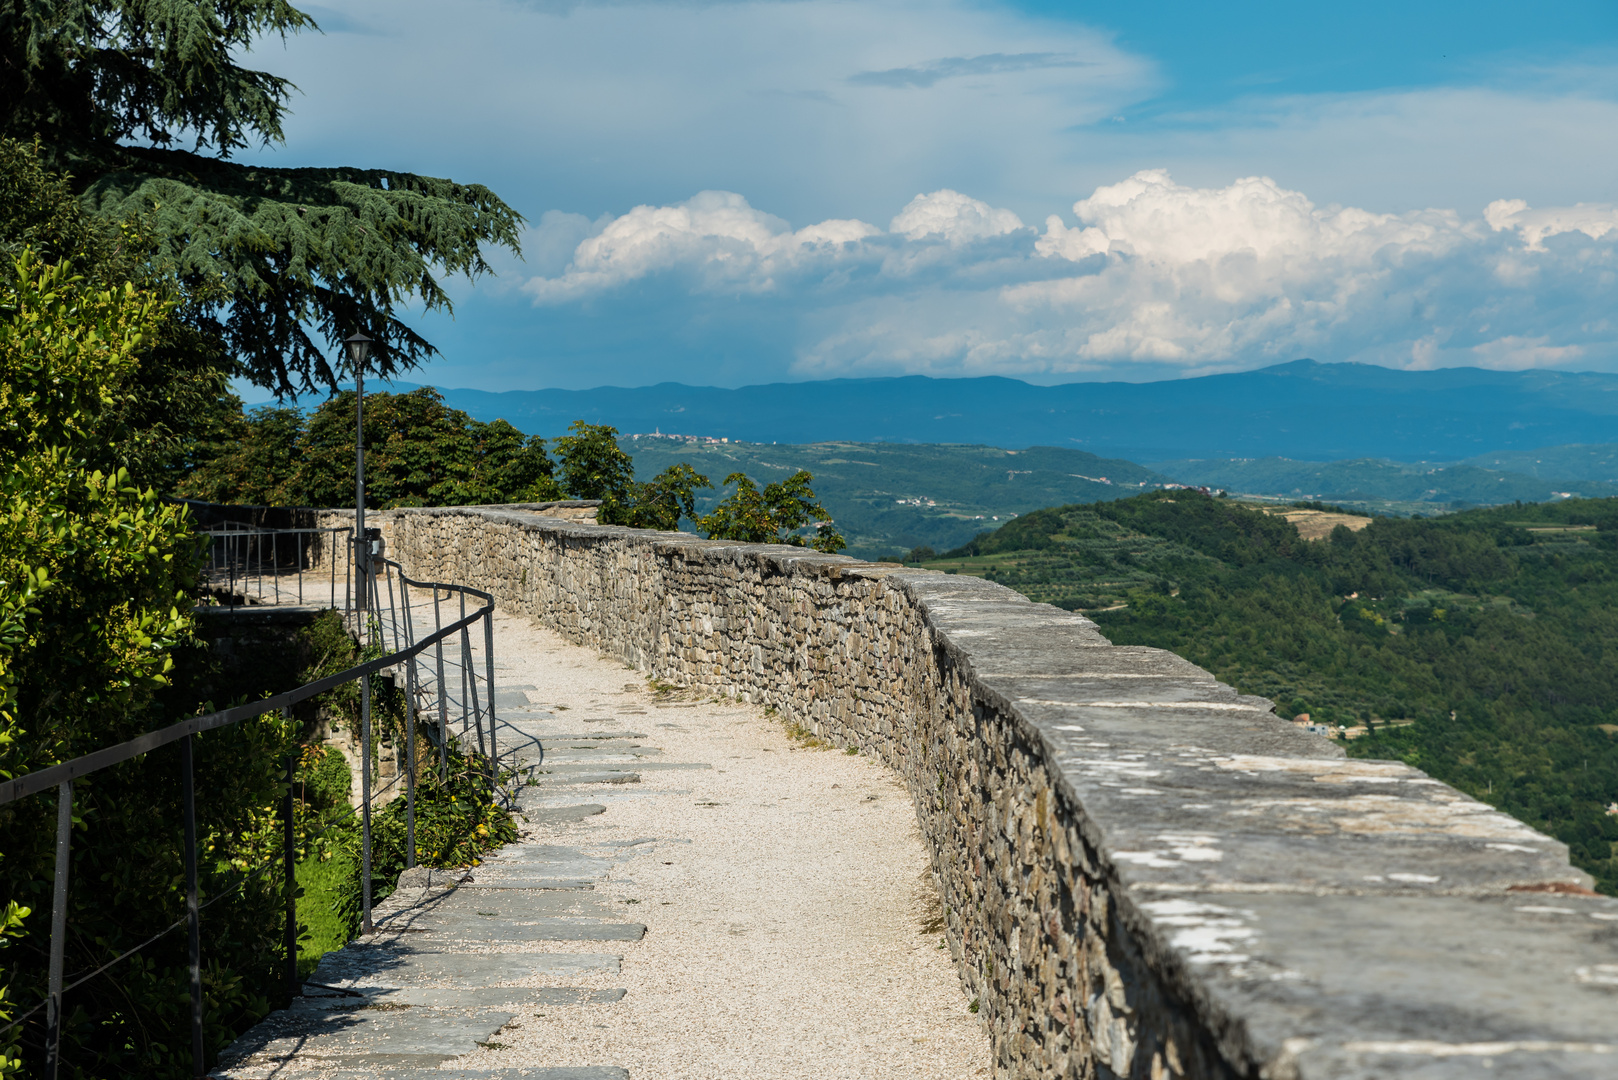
(1148, 276)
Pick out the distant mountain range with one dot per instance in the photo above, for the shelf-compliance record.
(890, 497)
(1302, 410)
(1389, 486)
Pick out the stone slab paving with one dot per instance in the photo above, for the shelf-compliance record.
(693, 896)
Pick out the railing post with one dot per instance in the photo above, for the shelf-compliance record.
(365, 804)
(393, 610)
(374, 600)
(470, 681)
(488, 664)
(443, 695)
(290, 862)
(53, 1004)
(193, 913)
(410, 729)
(410, 763)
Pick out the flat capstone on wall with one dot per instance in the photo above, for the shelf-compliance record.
(1145, 873)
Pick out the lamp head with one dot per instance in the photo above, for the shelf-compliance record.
(359, 349)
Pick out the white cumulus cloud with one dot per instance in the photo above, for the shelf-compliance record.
(715, 235)
(957, 218)
(1149, 276)
(1594, 220)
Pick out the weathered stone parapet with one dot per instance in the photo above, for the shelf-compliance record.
(1145, 874)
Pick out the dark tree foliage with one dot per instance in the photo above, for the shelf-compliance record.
(178, 395)
(775, 514)
(281, 263)
(419, 452)
(1481, 647)
(594, 466)
(661, 502)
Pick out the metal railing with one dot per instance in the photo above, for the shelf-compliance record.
(456, 686)
(272, 561)
(238, 549)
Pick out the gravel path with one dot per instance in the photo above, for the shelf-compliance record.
(791, 918)
(696, 894)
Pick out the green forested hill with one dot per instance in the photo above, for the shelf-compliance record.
(891, 497)
(1577, 462)
(1481, 647)
(1393, 486)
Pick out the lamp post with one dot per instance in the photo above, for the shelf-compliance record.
(359, 351)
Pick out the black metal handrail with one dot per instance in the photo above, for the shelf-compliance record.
(63, 775)
(236, 551)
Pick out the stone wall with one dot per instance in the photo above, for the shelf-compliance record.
(1145, 874)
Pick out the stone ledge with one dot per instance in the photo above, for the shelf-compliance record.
(1145, 873)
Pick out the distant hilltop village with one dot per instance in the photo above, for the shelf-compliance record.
(680, 438)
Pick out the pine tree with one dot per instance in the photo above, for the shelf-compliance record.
(285, 262)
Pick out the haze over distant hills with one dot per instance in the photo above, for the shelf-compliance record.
(889, 497)
(1386, 486)
(1302, 410)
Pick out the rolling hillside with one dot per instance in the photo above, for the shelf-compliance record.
(890, 497)
(1304, 409)
(1387, 486)
(1481, 647)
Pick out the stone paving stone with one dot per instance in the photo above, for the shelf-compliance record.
(529, 882)
(403, 965)
(479, 928)
(570, 750)
(514, 905)
(596, 775)
(554, 1072)
(459, 997)
(567, 771)
(529, 860)
(560, 815)
(407, 1036)
(595, 736)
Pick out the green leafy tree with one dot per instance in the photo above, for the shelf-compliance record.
(419, 452)
(773, 515)
(594, 466)
(95, 579)
(176, 398)
(663, 501)
(281, 263)
(11, 928)
(256, 461)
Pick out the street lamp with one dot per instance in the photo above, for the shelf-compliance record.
(359, 351)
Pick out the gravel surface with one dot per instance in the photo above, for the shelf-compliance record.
(792, 924)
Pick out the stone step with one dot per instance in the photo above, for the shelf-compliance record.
(455, 997)
(398, 966)
(449, 931)
(594, 776)
(563, 768)
(386, 1038)
(562, 815)
(553, 1072)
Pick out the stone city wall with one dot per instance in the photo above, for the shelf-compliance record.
(1145, 874)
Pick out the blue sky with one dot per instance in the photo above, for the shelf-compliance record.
(739, 192)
